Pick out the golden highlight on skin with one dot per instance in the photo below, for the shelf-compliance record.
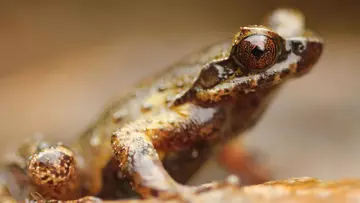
(53, 171)
(273, 61)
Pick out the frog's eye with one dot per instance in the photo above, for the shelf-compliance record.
(256, 52)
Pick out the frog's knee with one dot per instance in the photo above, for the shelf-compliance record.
(53, 170)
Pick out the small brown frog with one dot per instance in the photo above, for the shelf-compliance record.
(163, 131)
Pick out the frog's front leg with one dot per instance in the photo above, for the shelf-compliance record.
(137, 144)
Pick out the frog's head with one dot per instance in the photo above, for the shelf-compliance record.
(259, 58)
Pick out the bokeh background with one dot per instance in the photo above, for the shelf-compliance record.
(62, 61)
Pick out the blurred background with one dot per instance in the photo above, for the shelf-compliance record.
(61, 62)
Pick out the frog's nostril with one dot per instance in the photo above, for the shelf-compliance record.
(53, 171)
(310, 54)
(298, 47)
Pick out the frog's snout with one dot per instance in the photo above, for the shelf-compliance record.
(309, 53)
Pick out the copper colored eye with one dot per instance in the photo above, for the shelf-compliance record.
(256, 52)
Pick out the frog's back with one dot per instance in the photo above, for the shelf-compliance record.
(154, 92)
(149, 97)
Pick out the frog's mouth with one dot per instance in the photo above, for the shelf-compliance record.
(299, 56)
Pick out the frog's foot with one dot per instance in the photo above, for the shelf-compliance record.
(54, 173)
(236, 160)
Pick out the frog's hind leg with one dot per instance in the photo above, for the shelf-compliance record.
(136, 145)
(54, 173)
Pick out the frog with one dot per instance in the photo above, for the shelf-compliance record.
(153, 139)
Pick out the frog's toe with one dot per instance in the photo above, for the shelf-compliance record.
(54, 173)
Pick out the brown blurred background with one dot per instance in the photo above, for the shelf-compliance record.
(60, 62)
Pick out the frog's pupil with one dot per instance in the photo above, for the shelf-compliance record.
(257, 52)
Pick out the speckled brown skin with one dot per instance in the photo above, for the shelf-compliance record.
(45, 170)
(179, 114)
(223, 100)
(54, 173)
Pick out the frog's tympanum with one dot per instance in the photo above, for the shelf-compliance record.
(152, 140)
